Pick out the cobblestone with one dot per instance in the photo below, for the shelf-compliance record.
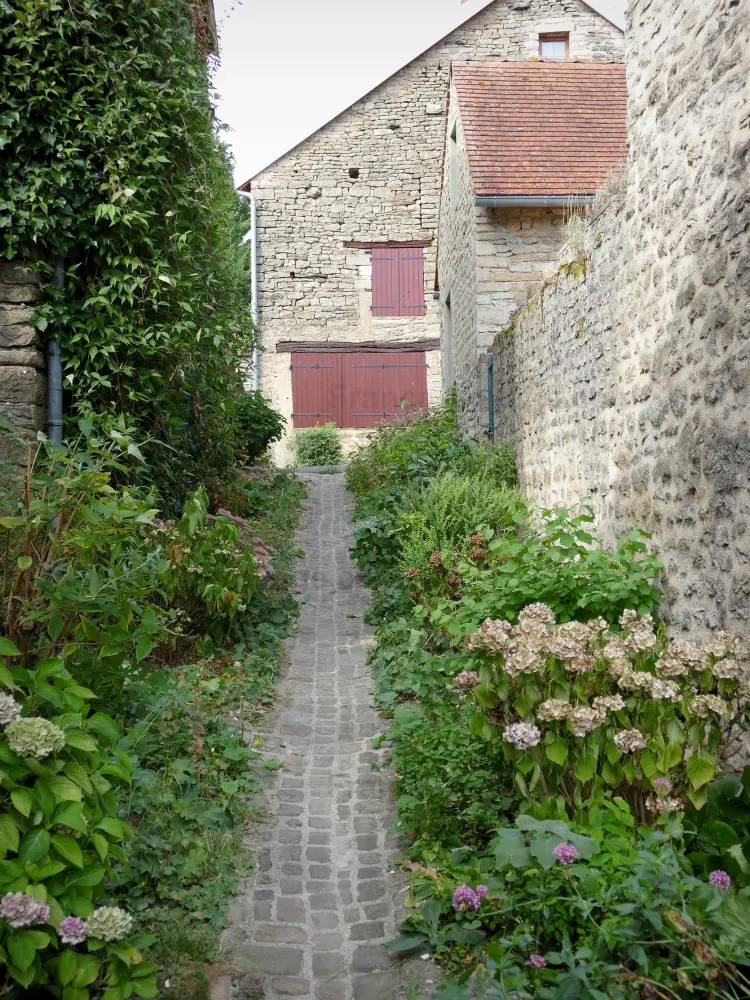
(313, 935)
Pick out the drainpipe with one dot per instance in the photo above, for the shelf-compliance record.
(255, 380)
(54, 373)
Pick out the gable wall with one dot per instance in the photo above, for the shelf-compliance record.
(309, 206)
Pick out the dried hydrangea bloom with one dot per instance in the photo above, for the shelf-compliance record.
(523, 660)
(727, 669)
(671, 666)
(687, 652)
(109, 923)
(640, 637)
(554, 708)
(466, 680)
(665, 690)
(436, 559)
(583, 720)
(72, 930)
(21, 910)
(705, 704)
(536, 616)
(33, 737)
(563, 646)
(725, 644)
(608, 703)
(597, 626)
(664, 804)
(10, 710)
(743, 692)
(617, 653)
(579, 665)
(635, 680)
(492, 636)
(630, 740)
(523, 736)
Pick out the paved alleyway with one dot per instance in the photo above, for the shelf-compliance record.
(311, 923)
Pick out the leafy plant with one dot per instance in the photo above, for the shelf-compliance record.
(718, 834)
(258, 425)
(447, 787)
(59, 837)
(318, 445)
(577, 708)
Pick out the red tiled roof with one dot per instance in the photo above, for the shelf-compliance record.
(542, 128)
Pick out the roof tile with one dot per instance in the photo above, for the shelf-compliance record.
(542, 128)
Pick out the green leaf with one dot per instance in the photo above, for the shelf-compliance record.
(24, 562)
(670, 757)
(143, 648)
(71, 815)
(68, 966)
(511, 850)
(8, 649)
(101, 845)
(34, 845)
(115, 828)
(585, 768)
(91, 876)
(719, 833)
(700, 768)
(67, 846)
(557, 752)
(64, 789)
(406, 943)
(145, 987)
(81, 742)
(8, 835)
(23, 800)
(648, 763)
(105, 726)
(24, 946)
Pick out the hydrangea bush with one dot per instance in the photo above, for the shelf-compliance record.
(578, 707)
(59, 834)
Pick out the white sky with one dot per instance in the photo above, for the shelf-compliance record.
(289, 66)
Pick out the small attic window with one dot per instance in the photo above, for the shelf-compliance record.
(354, 173)
(555, 45)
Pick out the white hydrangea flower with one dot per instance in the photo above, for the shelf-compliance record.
(583, 720)
(607, 703)
(492, 636)
(522, 735)
(109, 923)
(10, 710)
(727, 669)
(34, 737)
(665, 690)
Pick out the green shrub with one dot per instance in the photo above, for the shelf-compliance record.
(59, 836)
(259, 425)
(448, 787)
(318, 445)
(449, 510)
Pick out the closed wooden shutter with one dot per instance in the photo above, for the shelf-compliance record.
(317, 391)
(379, 388)
(398, 281)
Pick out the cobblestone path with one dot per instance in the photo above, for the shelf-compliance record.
(313, 920)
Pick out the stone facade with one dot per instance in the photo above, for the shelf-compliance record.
(627, 380)
(22, 381)
(490, 260)
(373, 174)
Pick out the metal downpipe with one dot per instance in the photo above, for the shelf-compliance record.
(54, 374)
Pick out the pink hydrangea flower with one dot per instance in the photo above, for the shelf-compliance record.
(566, 854)
(21, 910)
(72, 930)
(536, 961)
(720, 879)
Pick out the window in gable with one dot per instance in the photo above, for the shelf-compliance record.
(555, 45)
(398, 281)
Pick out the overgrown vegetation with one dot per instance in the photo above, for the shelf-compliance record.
(556, 750)
(124, 784)
(317, 445)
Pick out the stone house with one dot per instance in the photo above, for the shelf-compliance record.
(528, 143)
(349, 308)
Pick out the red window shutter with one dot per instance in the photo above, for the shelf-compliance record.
(375, 385)
(317, 393)
(411, 281)
(385, 266)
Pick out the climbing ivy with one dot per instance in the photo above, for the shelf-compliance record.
(113, 161)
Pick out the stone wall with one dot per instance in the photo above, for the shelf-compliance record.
(22, 380)
(629, 382)
(309, 205)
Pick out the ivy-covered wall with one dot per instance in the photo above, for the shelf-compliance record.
(114, 166)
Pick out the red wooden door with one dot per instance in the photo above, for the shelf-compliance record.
(379, 388)
(317, 391)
